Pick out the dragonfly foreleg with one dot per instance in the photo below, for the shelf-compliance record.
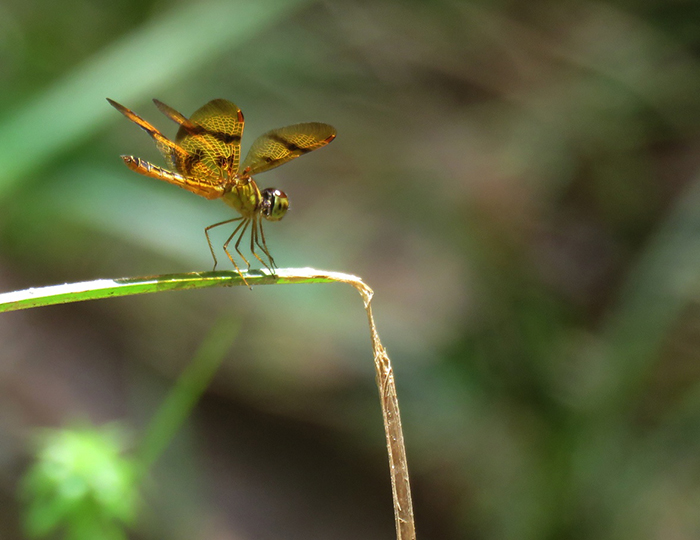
(254, 242)
(263, 246)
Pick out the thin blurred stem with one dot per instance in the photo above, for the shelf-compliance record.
(190, 386)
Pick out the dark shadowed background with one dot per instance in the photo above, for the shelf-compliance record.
(518, 182)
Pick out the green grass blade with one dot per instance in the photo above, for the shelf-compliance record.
(108, 288)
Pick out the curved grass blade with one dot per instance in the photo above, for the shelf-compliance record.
(110, 288)
(106, 288)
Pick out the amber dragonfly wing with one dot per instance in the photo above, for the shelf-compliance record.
(211, 137)
(208, 186)
(170, 150)
(279, 146)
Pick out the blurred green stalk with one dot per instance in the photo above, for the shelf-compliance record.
(188, 389)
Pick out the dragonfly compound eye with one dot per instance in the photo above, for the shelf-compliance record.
(274, 204)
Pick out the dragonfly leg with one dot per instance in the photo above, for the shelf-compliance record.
(254, 242)
(264, 247)
(206, 233)
(242, 227)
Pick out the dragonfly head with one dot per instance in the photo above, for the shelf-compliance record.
(274, 204)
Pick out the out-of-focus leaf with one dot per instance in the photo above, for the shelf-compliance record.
(81, 484)
(661, 284)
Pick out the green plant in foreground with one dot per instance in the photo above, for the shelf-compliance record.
(81, 485)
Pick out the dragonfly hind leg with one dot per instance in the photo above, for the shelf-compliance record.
(244, 225)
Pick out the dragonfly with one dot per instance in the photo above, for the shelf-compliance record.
(204, 159)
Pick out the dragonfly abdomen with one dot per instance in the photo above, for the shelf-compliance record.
(148, 169)
(145, 168)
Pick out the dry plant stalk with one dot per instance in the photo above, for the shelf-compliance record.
(398, 465)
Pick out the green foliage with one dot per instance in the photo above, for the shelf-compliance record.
(81, 484)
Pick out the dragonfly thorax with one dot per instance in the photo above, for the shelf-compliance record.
(274, 204)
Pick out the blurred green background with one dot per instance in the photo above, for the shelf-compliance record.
(517, 181)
